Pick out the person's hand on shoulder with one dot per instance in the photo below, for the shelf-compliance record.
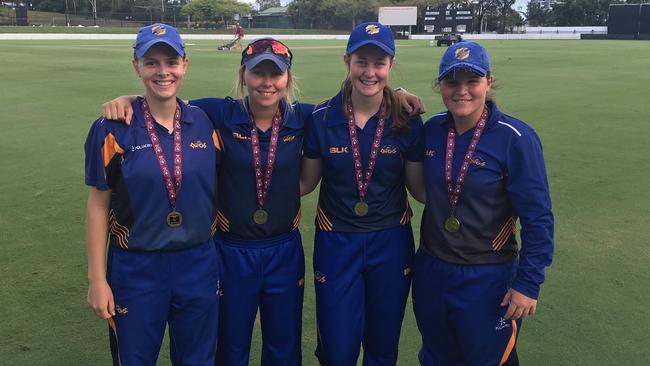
(119, 109)
(411, 104)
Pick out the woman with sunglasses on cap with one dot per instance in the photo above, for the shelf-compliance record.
(259, 198)
(366, 150)
(483, 170)
(162, 267)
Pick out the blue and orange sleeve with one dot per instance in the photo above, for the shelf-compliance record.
(528, 190)
(101, 148)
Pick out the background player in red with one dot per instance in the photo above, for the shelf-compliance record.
(483, 170)
(365, 149)
(239, 35)
(153, 188)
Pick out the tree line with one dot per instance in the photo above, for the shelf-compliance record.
(574, 13)
(490, 15)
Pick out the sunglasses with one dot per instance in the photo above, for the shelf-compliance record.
(262, 45)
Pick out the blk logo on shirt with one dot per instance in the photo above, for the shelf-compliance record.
(338, 150)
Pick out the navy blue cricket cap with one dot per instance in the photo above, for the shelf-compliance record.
(264, 49)
(465, 55)
(158, 33)
(371, 33)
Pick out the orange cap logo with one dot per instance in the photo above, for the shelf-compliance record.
(372, 29)
(158, 30)
(462, 53)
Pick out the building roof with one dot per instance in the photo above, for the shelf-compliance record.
(278, 10)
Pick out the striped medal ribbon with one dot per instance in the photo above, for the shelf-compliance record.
(361, 207)
(263, 181)
(452, 224)
(172, 182)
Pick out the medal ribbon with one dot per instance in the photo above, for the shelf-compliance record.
(454, 191)
(363, 181)
(172, 183)
(263, 183)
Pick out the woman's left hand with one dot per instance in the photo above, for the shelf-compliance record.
(411, 103)
(519, 305)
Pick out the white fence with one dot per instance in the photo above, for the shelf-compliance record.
(531, 33)
(94, 36)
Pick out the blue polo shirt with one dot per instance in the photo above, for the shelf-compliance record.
(120, 158)
(506, 181)
(237, 193)
(328, 139)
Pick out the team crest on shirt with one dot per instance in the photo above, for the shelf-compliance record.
(462, 53)
(198, 145)
(239, 136)
(159, 30)
(478, 161)
(372, 29)
(389, 150)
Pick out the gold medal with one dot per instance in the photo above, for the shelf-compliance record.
(361, 208)
(452, 224)
(174, 219)
(260, 216)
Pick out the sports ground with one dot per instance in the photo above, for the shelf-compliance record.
(588, 100)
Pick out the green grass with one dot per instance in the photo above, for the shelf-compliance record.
(588, 100)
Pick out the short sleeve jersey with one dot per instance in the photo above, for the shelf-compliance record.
(120, 158)
(328, 139)
(237, 191)
(506, 181)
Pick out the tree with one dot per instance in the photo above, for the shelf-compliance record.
(504, 7)
(305, 13)
(538, 16)
(352, 10)
(328, 14)
(265, 4)
(583, 12)
(215, 9)
(482, 8)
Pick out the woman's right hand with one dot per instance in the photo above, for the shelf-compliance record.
(100, 299)
(119, 109)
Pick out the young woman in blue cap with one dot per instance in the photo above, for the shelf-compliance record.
(483, 170)
(365, 149)
(153, 188)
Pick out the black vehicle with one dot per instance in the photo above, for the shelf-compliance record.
(448, 39)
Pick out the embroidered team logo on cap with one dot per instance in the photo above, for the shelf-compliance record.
(159, 30)
(372, 29)
(462, 53)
